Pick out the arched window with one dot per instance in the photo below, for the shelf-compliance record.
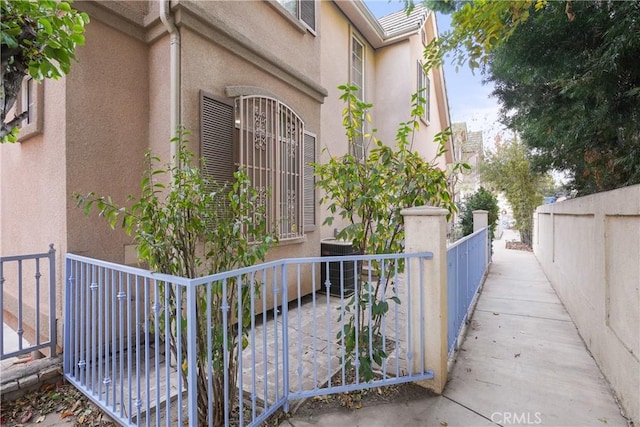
(269, 144)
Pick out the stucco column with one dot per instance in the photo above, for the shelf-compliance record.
(426, 231)
(480, 220)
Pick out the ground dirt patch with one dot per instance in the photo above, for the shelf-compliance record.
(53, 402)
(354, 400)
(519, 246)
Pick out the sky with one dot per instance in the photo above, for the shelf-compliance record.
(469, 98)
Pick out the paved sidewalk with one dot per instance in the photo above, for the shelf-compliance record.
(522, 363)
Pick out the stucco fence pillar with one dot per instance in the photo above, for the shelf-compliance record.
(426, 231)
(480, 221)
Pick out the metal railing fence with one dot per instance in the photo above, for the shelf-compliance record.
(15, 273)
(467, 262)
(154, 349)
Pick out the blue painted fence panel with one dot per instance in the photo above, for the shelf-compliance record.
(467, 262)
(120, 352)
(38, 273)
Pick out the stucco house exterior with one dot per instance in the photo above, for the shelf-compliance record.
(254, 82)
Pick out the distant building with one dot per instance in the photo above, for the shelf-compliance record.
(468, 146)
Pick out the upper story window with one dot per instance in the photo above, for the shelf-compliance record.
(30, 99)
(268, 140)
(424, 92)
(304, 10)
(357, 66)
(357, 79)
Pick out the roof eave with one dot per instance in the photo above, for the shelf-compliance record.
(362, 18)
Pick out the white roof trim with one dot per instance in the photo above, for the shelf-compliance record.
(360, 15)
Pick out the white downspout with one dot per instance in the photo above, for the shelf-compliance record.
(174, 91)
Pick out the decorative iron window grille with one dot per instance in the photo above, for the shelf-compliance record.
(271, 138)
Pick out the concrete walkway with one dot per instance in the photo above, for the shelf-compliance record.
(522, 363)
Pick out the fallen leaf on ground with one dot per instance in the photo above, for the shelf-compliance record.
(40, 419)
(443, 423)
(66, 414)
(26, 417)
(75, 406)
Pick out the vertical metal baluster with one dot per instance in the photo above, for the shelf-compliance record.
(179, 350)
(209, 355)
(240, 378)
(53, 332)
(408, 324)
(357, 332)
(20, 331)
(94, 326)
(37, 277)
(300, 335)
(147, 376)
(422, 319)
(84, 326)
(225, 346)
(275, 333)
(138, 332)
(131, 330)
(107, 355)
(99, 293)
(265, 348)
(167, 349)
(285, 336)
(253, 347)
(157, 307)
(328, 285)
(121, 336)
(192, 372)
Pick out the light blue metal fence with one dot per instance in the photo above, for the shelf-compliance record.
(467, 262)
(132, 346)
(22, 274)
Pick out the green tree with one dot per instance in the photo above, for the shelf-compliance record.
(38, 38)
(508, 169)
(571, 89)
(192, 228)
(482, 199)
(478, 27)
(370, 192)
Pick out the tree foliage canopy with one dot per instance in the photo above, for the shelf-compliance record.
(571, 89)
(38, 38)
(508, 169)
(482, 199)
(478, 27)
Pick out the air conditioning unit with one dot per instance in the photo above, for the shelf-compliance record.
(342, 275)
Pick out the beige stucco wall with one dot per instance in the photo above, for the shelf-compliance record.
(390, 81)
(107, 102)
(589, 249)
(32, 208)
(336, 32)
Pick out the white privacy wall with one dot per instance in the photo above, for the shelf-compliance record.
(589, 248)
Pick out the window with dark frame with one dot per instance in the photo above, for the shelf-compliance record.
(31, 100)
(356, 78)
(303, 10)
(424, 92)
